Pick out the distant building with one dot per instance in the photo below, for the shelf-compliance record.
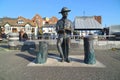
(49, 29)
(86, 24)
(114, 30)
(30, 26)
(16, 24)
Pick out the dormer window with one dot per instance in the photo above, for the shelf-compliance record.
(7, 27)
(20, 21)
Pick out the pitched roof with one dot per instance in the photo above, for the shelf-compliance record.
(53, 20)
(14, 21)
(86, 22)
(37, 20)
(10, 21)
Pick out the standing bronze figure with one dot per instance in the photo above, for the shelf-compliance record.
(64, 28)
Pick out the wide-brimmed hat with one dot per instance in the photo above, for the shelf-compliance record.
(64, 9)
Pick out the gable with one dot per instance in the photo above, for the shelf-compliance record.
(27, 25)
(6, 25)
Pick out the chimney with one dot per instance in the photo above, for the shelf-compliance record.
(98, 18)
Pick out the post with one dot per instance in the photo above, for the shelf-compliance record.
(89, 50)
(43, 52)
(13, 41)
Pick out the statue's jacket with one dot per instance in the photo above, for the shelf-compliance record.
(66, 25)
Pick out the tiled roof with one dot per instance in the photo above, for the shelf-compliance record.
(10, 21)
(26, 21)
(37, 20)
(14, 21)
(86, 22)
(53, 20)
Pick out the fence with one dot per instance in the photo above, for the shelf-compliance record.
(100, 42)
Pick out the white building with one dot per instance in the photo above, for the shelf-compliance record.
(87, 24)
(14, 25)
(49, 29)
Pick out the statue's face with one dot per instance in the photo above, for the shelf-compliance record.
(64, 14)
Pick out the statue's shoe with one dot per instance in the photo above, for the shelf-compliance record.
(68, 60)
(62, 60)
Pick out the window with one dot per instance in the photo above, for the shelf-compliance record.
(7, 27)
(27, 27)
(33, 30)
(14, 29)
(20, 21)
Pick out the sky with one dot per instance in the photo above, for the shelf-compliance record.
(109, 10)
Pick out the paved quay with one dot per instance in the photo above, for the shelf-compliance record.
(19, 65)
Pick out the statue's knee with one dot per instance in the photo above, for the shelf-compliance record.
(58, 44)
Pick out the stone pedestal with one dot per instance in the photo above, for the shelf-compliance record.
(89, 55)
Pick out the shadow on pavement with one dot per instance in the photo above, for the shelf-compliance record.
(29, 58)
(32, 52)
(77, 60)
(28, 45)
(54, 56)
(4, 46)
(57, 57)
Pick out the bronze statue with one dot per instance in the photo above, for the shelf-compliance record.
(64, 28)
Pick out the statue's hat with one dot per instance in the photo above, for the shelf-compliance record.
(64, 9)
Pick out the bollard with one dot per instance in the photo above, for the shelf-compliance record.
(89, 55)
(43, 52)
(13, 41)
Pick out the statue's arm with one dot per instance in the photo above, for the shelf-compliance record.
(58, 29)
(70, 28)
